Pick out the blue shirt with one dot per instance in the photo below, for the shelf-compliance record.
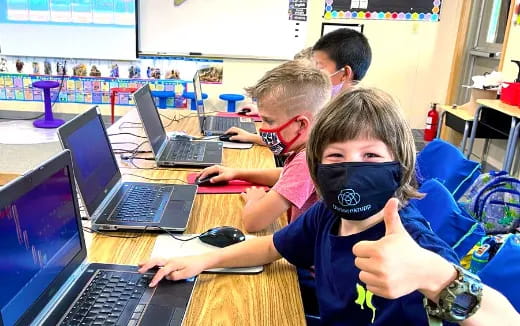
(343, 299)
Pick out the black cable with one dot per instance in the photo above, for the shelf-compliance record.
(173, 236)
(107, 234)
(127, 133)
(137, 125)
(156, 179)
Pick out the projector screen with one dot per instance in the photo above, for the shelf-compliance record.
(98, 29)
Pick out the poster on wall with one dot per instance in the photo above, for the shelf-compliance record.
(298, 10)
(86, 90)
(416, 10)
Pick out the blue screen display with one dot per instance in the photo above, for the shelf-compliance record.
(39, 236)
(92, 12)
(94, 164)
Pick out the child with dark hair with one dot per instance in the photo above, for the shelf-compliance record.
(345, 55)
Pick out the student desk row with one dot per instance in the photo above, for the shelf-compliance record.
(498, 116)
(269, 298)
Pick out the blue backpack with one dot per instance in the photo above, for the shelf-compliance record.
(494, 200)
(451, 223)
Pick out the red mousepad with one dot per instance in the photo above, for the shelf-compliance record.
(254, 117)
(232, 187)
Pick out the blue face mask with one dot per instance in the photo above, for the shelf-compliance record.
(357, 190)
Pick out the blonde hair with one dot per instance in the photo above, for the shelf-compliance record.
(294, 87)
(304, 54)
(368, 113)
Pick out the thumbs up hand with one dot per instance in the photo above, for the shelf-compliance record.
(391, 266)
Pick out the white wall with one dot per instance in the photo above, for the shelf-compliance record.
(411, 60)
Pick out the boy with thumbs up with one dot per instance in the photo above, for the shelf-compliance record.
(375, 257)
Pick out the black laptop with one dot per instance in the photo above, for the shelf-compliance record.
(173, 152)
(111, 203)
(215, 125)
(45, 278)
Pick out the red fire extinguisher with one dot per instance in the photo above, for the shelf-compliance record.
(431, 123)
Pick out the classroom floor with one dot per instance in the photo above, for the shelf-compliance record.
(18, 158)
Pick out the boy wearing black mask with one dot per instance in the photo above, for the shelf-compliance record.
(375, 257)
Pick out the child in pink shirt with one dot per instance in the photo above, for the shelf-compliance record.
(289, 96)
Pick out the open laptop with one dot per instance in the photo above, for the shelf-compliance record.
(215, 125)
(172, 152)
(45, 277)
(111, 203)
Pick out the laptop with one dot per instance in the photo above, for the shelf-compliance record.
(215, 125)
(45, 277)
(172, 152)
(111, 203)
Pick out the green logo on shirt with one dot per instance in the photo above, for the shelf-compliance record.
(365, 296)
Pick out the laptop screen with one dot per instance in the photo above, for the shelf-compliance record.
(40, 237)
(150, 117)
(197, 90)
(94, 163)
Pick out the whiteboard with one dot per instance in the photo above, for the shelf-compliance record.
(68, 29)
(224, 28)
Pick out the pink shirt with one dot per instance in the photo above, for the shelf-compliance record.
(295, 185)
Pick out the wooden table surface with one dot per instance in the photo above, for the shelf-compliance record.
(269, 298)
(7, 177)
(500, 106)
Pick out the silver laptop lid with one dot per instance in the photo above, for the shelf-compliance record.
(197, 90)
(42, 239)
(95, 165)
(150, 118)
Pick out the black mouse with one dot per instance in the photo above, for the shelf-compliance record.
(226, 137)
(205, 181)
(244, 111)
(222, 236)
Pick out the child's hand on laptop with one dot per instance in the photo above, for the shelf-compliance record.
(224, 173)
(244, 136)
(174, 269)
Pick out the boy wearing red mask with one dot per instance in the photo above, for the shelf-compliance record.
(289, 96)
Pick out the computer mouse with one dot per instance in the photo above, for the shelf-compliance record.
(226, 137)
(222, 236)
(206, 181)
(244, 111)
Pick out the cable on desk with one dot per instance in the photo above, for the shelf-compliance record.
(107, 234)
(136, 125)
(173, 236)
(127, 133)
(156, 179)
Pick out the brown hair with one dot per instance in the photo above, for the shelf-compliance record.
(369, 113)
(294, 86)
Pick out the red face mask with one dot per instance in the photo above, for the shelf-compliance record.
(274, 139)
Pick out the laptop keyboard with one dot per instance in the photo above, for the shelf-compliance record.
(109, 295)
(224, 123)
(141, 204)
(184, 151)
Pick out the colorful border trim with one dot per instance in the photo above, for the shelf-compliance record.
(87, 90)
(433, 16)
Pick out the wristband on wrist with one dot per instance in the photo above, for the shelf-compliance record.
(459, 300)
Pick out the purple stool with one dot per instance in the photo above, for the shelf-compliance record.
(48, 121)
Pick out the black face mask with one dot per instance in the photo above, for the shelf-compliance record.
(358, 190)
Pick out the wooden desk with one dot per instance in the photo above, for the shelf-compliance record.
(269, 298)
(509, 110)
(7, 177)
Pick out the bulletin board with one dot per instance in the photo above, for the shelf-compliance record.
(418, 10)
(270, 29)
(89, 90)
